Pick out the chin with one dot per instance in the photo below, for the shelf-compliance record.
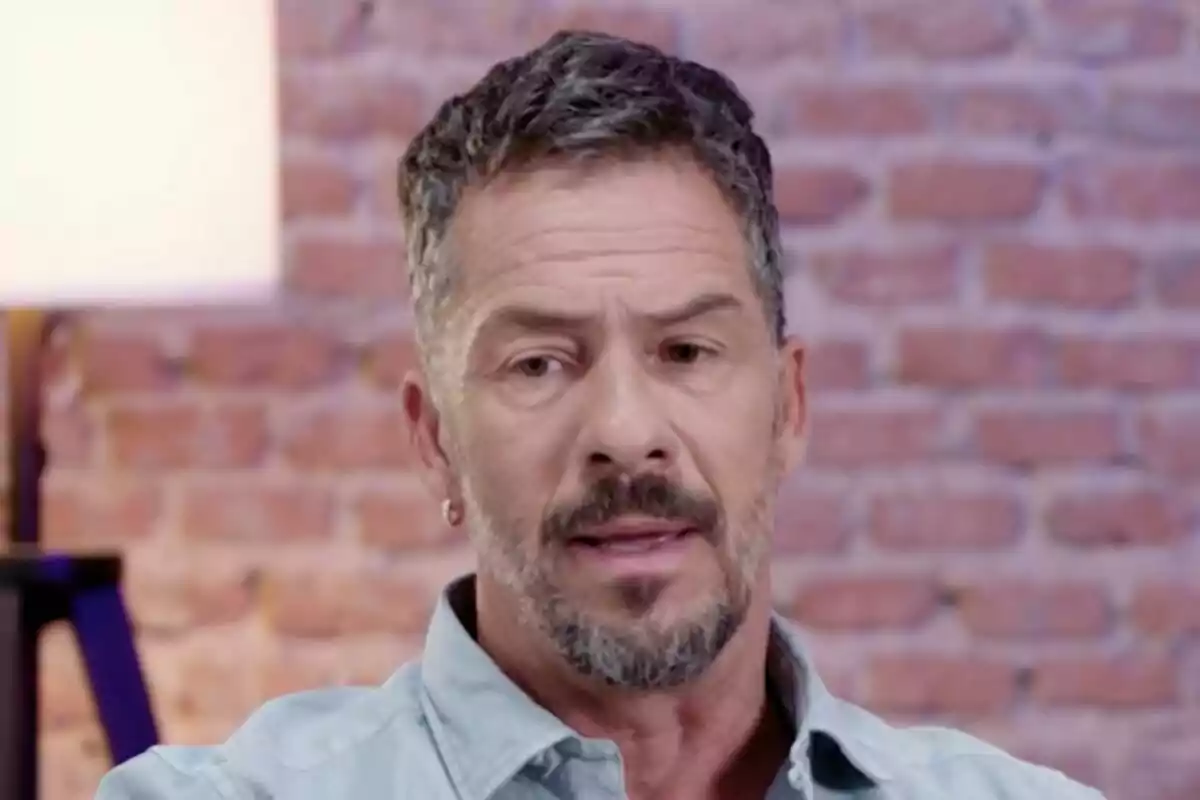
(660, 602)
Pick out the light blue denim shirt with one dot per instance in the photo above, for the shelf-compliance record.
(451, 726)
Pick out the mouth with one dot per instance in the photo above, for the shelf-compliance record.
(632, 536)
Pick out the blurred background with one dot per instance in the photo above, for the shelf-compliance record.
(992, 214)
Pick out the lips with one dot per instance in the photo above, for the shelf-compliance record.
(632, 536)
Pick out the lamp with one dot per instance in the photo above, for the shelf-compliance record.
(138, 166)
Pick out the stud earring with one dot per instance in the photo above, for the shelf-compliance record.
(451, 513)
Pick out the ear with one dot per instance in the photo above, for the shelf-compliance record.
(793, 427)
(426, 431)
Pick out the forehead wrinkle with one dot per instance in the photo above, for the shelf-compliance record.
(573, 204)
(571, 243)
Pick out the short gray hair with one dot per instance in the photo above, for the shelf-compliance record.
(582, 96)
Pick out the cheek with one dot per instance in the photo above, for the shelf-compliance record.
(738, 451)
(740, 427)
(508, 463)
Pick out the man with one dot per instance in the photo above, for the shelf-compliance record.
(608, 403)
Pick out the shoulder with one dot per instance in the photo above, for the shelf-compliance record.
(921, 761)
(965, 766)
(936, 762)
(318, 743)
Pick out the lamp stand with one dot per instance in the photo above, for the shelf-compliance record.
(25, 337)
(26, 331)
(38, 588)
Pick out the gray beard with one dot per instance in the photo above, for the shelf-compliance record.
(641, 660)
(635, 655)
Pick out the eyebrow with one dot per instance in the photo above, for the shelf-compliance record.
(538, 319)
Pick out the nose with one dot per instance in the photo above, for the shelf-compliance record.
(627, 430)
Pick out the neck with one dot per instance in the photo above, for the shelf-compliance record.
(717, 737)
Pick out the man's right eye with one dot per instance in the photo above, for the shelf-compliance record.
(537, 366)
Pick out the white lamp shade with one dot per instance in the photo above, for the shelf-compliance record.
(138, 152)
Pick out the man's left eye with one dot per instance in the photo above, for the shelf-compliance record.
(685, 352)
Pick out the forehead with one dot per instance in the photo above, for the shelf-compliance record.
(646, 231)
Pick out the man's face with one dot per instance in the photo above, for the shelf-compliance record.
(624, 415)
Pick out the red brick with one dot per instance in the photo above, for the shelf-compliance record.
(1165, 608)
(1079, 762)
(371, 660)
(1025, 609)
(214, 681)
(1023, 111)
(390, 358)
(299, 666)
(336, 601)
(652, 26)
(1092, 277)
(1170, 442)
(280, 356)
(865, 602)
(1137, 517)
(347, 436)
(970, 358)
(946, 520)
(939, 31)
(124, 361)
(65, 699)
(256, 510)
(99, 510)
(382, 194)
(837, 364)
(879, 277)
(1158, 116)
(1159, 191)
(490, 31)
(200, 731)
(961, 191)
(402, 517)
(185, 434)
(69, 432)
(327, 267)
(175, 590)
(929, 683)
(1103, 31)
(1188, 657)
(1114, 683)
(816, 195)
(845, 110)
(507, 27)
(346, 106)
(1042, 437)
(315, 187)
(57, 348)
(1130, 362)
(1177, 280)
(809, 520)
(1165, 771)
(294, 666)
(863, 437)
(726, 36)
(71, 763)
(330, 28)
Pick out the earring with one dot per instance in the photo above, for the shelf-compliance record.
(451, 513)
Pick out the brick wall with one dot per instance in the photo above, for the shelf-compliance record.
(993, 213)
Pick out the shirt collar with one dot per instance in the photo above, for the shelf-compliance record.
(837, 744)
(487, 728)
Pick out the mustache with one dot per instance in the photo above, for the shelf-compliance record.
(648, 495)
